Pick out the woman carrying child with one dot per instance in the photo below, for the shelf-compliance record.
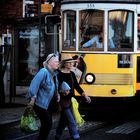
(67, 83)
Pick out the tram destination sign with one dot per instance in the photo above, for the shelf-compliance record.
(124, 61)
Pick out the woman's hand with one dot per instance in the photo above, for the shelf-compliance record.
(66, 92)
(32, 101)
(58, 98)
(88, 100)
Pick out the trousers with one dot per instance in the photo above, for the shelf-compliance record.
(67, 119)
(45, 117)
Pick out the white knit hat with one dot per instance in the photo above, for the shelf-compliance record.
(64, 86)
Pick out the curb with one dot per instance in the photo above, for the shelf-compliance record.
(10, 122)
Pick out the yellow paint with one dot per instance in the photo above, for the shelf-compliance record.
(109, 76)
(104, 63)
(105, 90)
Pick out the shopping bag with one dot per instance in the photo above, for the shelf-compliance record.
(28, 122)
(78, 118)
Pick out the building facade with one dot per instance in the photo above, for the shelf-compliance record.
(29, 30)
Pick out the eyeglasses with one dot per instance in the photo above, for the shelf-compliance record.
(54, 55)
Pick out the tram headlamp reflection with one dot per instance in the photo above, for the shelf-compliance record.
(90, 78)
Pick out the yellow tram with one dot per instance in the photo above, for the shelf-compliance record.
(104, 37)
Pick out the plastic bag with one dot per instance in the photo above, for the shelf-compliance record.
(28, 122)
(78, 118)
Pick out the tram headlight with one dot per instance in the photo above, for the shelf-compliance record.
(90, 78)
(113, 91)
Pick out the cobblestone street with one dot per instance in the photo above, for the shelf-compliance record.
(10, 117)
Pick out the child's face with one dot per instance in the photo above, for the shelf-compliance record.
(66, 92)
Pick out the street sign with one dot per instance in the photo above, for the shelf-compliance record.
(46, 8)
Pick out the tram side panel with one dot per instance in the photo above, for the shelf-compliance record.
(106, 75)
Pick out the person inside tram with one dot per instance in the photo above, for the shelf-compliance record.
(97, 39)
(118, 31)
(115, 41)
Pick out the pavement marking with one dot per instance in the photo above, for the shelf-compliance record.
(87, 125)
(125, 128)
(90, 124)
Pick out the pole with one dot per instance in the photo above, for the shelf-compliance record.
(39, 16)
(2, 93)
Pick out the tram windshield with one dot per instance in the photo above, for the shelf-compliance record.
(84, 30)
(120, 37)
(91, 30)
(69, 36)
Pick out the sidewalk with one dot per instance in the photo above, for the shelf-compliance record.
(10, 116)
(11, 113)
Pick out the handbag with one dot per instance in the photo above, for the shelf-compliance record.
(75, 105)
(28, 122)
(78, 118)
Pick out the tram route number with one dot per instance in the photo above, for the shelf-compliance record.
(90, 5)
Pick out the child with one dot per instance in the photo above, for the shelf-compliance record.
(64, 89)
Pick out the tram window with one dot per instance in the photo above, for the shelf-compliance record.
(91, 30)
(120, 36)
(69, 31)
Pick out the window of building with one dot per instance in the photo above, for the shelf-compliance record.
(25, 3)
(29, 55)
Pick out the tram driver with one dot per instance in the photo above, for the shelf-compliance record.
(97, 39)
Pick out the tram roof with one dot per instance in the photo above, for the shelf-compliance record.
(101, 1)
